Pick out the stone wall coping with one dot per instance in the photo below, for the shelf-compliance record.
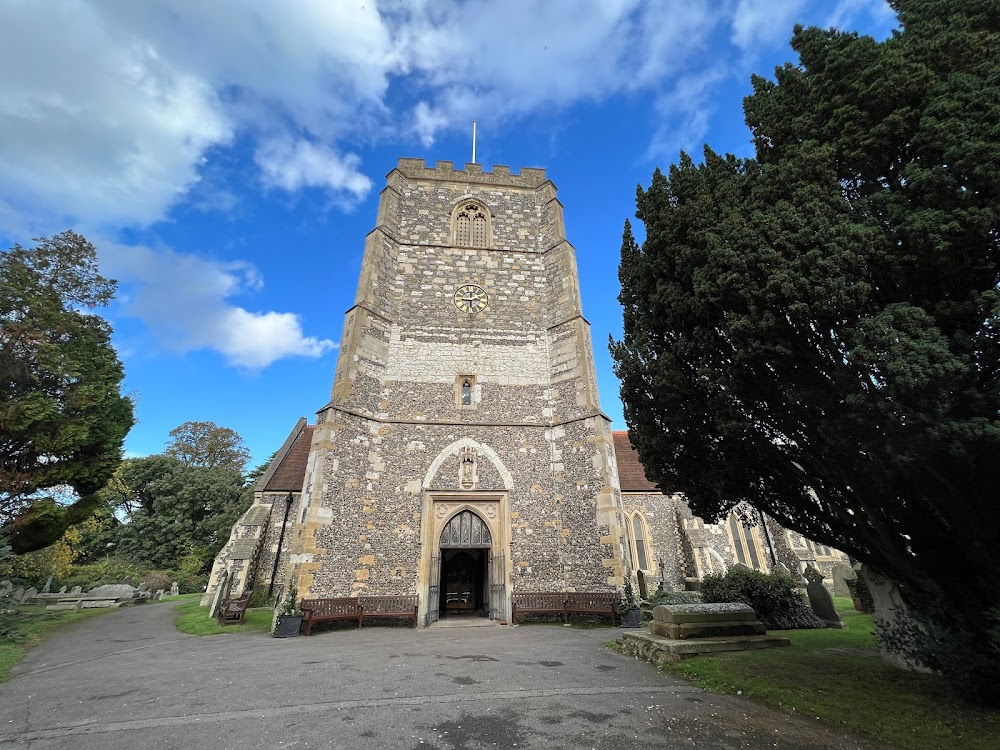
(529, 177)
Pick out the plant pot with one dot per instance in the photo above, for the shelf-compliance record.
(287, 627)
(632, 618)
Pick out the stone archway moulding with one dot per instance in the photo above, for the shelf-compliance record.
(481, 448)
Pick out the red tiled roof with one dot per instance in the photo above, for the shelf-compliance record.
(631, 473)
(291, 471)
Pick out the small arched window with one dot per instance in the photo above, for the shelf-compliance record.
(472, 225)
(466, 392)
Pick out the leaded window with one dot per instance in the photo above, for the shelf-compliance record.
(466, 529)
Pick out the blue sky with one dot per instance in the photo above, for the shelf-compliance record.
(226, 157)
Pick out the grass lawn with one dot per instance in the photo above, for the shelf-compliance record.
(24, 627)
(194, 620)
(839, 676)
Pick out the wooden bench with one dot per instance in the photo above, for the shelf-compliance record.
(593, 603)
(389, 606)
(323, 610)
(565, 603)
(231, 611)
(537, 603)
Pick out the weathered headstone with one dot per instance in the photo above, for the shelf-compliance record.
(62, 590)
(158, 595)
(76, 590)
(6, 587)
(29, 594)
(820, 599)
(174, 589)
(47, 588)
(79, 605)
(144, 586)
(17, 594)
(841, 575)
(643, 591)
(113, 591)
(221, 592)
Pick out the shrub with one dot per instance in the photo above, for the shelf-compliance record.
(859, 590)
(157, 580)
(772, 595)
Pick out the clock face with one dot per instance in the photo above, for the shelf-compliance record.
(471, 298)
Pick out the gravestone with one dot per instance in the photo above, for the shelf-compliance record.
(62, 590)
(47, 588)
(643, 592)
(17, 594)
(158, 595)
(681, 621)
(820, 599)
(144, 587)
(114, 591)
(6, 587)
(221, 592)
(174, 589)
(76, 591)
(841, 575)
(29, 594)
(78, 606)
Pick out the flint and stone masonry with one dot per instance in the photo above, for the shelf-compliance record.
(438, 409)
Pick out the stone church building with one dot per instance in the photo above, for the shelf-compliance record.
(463, 454)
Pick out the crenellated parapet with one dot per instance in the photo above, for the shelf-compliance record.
(501, 176)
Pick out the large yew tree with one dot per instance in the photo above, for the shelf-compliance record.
(816, 331)
(62, 415)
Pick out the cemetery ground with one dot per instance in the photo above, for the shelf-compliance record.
(141, 677)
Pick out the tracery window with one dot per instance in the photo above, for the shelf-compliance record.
(472, 225)
(746, 543)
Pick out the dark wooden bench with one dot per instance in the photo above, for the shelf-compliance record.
(593, 603)
(389, 606)
(537, 603)
(324, 610)
(231, 611)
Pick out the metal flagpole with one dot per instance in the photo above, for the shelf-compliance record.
(473, 141)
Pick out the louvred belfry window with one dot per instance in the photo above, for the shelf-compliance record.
(471, 226)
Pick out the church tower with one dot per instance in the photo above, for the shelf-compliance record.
(463, 454)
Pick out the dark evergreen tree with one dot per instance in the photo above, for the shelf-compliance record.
(816, 331)
(63, 418)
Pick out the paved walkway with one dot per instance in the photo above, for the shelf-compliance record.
(130, 680)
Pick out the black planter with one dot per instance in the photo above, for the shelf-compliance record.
(287, 627)
(632, 618)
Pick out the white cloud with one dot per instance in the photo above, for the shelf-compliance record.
(758, 23)
(684, 113)
(184, 301)
(95, 123)
(296, 164)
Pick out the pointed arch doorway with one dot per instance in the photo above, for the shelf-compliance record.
(466, 562)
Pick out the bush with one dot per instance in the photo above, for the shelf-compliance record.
(157, 580)
(772, 595)
(859, 590)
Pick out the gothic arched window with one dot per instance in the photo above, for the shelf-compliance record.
(639, 539)
(472, 225)
(466, 392)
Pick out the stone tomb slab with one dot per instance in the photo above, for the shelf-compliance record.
(657, 649)
(686, 621)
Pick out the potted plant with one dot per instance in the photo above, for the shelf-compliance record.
(289, 618)
(628, 608)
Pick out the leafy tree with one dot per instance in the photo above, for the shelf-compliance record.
(207, 445)
(62, 416)
(186, 510)
(816, 331)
